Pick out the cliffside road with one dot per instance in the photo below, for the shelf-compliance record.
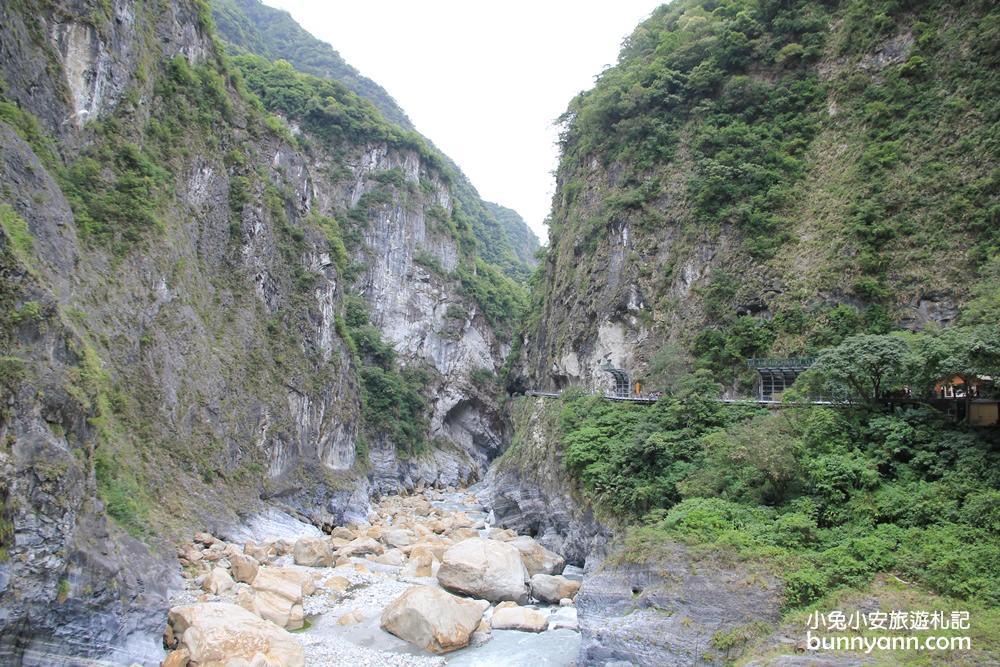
(332, 594)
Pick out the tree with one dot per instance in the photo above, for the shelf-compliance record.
(984, 306)
(865, 364)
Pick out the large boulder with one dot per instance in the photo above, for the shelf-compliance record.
(217, 582)
(343, 533)
(361, 546)
(243, 568)
(485, 569)
(398, 538)
(304, 578)
(537, 558)
(392, 557)
(509, 616)
(217, 634)
(433, 619)
(278, 597)
(435, 549)
(262, 553)
(312, 552)
(552, 588)
(419, 565)
(459, 534)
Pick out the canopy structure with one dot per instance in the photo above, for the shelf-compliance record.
(777, 374)
(623, 381)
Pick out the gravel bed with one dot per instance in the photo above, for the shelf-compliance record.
(332, 651)
(371, 588)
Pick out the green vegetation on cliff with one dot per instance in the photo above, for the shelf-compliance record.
(392, 398)
(745, 87)
(829, 496)
(826, 166)
(305, 79)
(212, 336)
(340, 119)
(766, 178)
(249, 26)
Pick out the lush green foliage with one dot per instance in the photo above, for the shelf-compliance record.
(326, 108)
(252, 27)
(841, 151)
(908, 189)
(501, 299)
(685, 70)
(867, 364)
(21, 241)
(830, 501)
(984, 306)
(493, 228)
(830, 497)
(115, 190)
(632, 458)
(692, 74)
(868, 369)
(27, 127)
(523, 241)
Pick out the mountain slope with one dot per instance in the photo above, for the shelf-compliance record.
(249, 26)
(212, 311)
(252, 27)
(769, 179)
(787, 160)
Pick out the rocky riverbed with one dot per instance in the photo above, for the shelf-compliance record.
(426, 581)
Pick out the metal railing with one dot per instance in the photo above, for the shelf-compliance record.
(781, 362)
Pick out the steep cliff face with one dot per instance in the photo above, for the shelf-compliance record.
(752, 179)
(673, 609)
(424, 253)
(70, 582)
(174, 348)
(407, 259)
(146, 395)
(752, 175)
(529, 490)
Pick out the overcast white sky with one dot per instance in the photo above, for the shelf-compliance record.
(482, 80)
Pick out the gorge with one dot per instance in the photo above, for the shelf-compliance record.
(238, 291)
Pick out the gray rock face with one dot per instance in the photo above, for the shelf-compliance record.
(408, 254)
(89, 590)
(197, 377)
(666, 611)
(603, 311)
(71, 582)
(529, 492)
(392, 473)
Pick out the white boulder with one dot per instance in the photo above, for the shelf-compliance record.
(433, 619)
(485, 569)
(217, 634)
